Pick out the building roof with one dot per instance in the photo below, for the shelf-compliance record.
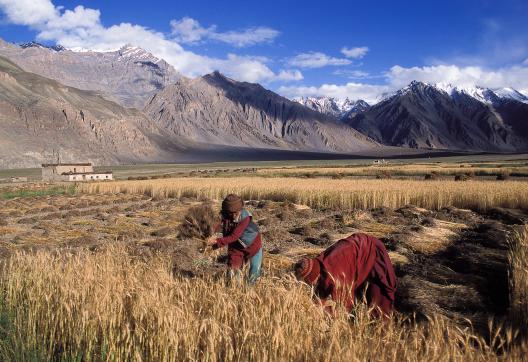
(66, 164)
(87, 173)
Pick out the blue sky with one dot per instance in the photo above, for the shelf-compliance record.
(358, 49)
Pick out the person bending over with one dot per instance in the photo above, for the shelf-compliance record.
(241, 236)
(350, 267)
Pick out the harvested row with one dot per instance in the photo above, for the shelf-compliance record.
(339, 194)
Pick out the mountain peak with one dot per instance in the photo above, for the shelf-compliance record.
(34, 44)
(333, 106)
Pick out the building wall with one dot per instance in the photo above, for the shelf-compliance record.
(54, 173)
(49, 174)
(89, 177)
(74, 169)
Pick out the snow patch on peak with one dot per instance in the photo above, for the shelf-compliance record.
(332, 106)
(510, 93)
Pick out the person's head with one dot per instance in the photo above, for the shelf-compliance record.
(308, 270)
(232, 207)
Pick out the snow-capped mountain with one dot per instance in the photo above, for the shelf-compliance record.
(129, 76)
(333, 106)
(485, 95)
(510, 93)
(423, 115)
(34, 44)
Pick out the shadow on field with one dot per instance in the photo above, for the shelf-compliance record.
(467, 281)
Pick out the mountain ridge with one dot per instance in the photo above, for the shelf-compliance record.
(217, 109)
(421, 115)
(128, 76)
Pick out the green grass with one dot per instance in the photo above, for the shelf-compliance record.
(55, 190)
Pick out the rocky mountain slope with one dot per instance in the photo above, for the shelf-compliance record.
(40, 118)
(129, 76)
(428, 116)
(214, 109)
(332, 106)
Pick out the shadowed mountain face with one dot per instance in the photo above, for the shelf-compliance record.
(422, 116)
(129, 76)
(217, 110)
(40, 117)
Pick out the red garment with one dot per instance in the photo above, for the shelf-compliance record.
(236, 252)
(349, 264)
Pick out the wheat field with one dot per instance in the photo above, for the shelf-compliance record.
(445, 169)
(326, 193)
(111, 306)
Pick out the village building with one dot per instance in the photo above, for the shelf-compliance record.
(73, 172)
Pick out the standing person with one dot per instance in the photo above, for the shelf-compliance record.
(242, 237)
(351, 266)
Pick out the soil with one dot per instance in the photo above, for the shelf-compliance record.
(451, 261)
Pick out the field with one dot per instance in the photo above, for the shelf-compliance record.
(99, 271)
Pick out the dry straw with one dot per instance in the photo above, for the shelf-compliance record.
(109, 306)
(328, 193)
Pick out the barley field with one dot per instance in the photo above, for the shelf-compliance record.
(110, 306)
(415, 169)
(98, 272)
(344, 194)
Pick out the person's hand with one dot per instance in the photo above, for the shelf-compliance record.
(211, 240)
(207, 249)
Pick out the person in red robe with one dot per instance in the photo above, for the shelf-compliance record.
(350, 267)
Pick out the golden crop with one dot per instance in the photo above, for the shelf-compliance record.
(111, 306)
(402, 170)
(327, 193)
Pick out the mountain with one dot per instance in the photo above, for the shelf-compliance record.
(128, 76)
(434, 116)
(214, 109)
(333, 106)
(40, 118)
(356, 107)
(485, 95)
(33, 44)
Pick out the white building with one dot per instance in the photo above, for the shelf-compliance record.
(73, 172)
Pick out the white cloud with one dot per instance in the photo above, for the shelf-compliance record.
(28, 12)
(252, 69)
(189, 30)
(367, 92)
(289, 75)
(398, 77)
(357, 53)
(514, 76)
(316, 60)
(81, 28)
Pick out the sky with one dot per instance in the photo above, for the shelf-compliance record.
(355, 49)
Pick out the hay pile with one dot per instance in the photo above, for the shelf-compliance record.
(198, 223)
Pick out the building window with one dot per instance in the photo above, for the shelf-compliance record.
(74, 177)
(106, 176)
